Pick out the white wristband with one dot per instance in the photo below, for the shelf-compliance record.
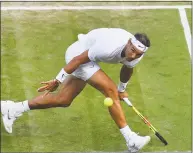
(61, 75)
(122, 86)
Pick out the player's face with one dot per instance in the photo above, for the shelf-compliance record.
(132, 52)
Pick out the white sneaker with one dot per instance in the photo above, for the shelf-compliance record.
(9, 114)
(137, 142)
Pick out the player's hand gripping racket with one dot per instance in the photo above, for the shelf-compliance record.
(126, 100)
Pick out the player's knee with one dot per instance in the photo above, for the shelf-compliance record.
(111, 91)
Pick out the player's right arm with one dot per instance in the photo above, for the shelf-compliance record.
(95, 52)
(125, 75)
(68, 69)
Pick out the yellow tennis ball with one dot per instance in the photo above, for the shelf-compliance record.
(108, 102)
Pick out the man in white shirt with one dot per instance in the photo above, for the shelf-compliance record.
(109, 45)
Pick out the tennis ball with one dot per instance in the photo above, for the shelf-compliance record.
(108, 102)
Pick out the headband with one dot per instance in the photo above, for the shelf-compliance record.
(138, 44)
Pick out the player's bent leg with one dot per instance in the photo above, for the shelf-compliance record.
(70, 88)
(63, 98)
(104, 84)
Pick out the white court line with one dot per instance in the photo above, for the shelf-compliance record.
(186, 27)
(123, 7)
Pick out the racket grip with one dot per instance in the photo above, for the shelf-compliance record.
(161, 138)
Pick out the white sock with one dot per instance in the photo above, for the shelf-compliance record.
(22, 106)
(26, 105)
(126, 131)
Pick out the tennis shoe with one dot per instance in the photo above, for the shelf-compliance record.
(136, 142)
(9, 114)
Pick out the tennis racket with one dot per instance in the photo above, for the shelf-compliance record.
(126, 100)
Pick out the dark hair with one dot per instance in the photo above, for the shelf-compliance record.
(143, 39)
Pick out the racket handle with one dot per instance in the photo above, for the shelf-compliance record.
(161, 138)
(126, 100)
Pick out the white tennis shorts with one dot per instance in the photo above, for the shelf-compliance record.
(84, 71)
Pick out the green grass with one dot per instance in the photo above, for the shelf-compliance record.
(33, 47)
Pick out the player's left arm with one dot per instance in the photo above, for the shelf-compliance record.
(73, 65)
(76, 62)
(125, 75)
(68, 69)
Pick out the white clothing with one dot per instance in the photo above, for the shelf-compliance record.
(103, 45)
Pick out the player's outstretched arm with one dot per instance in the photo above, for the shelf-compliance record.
(52, 85)
(72, 66)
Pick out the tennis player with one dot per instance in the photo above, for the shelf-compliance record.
(108, 45)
